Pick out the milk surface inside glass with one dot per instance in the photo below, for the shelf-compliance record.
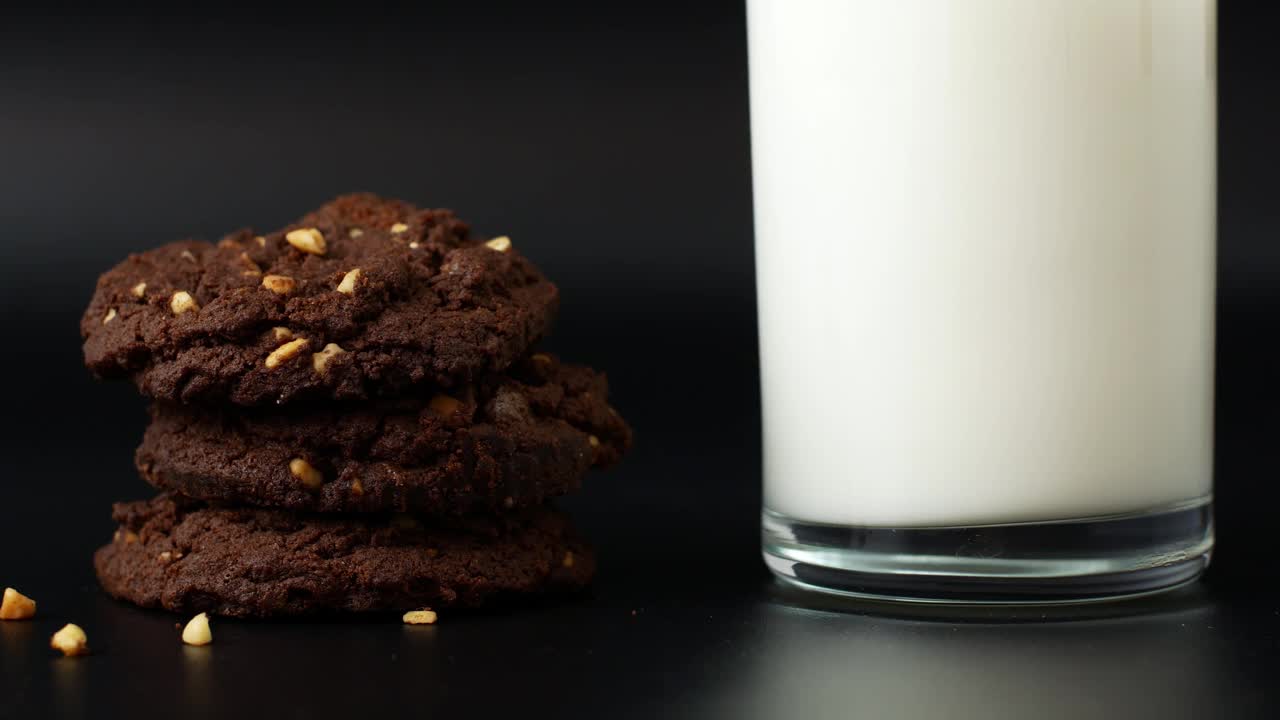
(984, 242)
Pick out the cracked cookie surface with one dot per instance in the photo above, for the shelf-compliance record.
(365, 296)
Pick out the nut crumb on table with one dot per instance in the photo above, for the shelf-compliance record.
(16, 606)
(197, 631)
(70, 640)
(420, 617)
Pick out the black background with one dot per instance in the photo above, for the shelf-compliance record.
(611, 141)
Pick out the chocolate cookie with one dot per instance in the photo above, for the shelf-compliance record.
(507, 441)
(184, 556)
(363, 297)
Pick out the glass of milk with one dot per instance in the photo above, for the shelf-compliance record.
(985, 262)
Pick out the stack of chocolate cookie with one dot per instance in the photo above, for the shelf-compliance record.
(349, 415)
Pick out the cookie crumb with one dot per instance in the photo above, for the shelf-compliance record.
(16, 606)
(71, 640)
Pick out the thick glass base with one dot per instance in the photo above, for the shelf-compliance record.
(1059, 562)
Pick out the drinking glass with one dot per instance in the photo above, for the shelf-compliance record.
(985, 264)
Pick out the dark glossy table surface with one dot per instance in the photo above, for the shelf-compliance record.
(682, 622)
(611, 139)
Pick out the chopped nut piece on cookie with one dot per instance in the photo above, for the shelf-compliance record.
(262, 242)
(252, 267)
(445, 405)
(16, 606)
(308, 475)
(197, 631)
(348, 284)
(111, 315)
(285, 352)
(279, 284)
(308, 240)
(182, 302)
(595, 441)
(186, 255)
(568, 560)
(355, 233)
(420, 617)
(139, 290)
(399, 228)
(281, 334)
(502, 243)
(404, 521)
(71, 640)
(322, 359)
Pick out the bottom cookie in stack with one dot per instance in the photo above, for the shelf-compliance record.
(188, 556)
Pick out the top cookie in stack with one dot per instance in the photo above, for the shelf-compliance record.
(364, 297)
(371, 358)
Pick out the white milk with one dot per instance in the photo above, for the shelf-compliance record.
(985, 254)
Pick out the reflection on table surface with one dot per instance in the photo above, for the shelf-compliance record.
(1166, 657)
